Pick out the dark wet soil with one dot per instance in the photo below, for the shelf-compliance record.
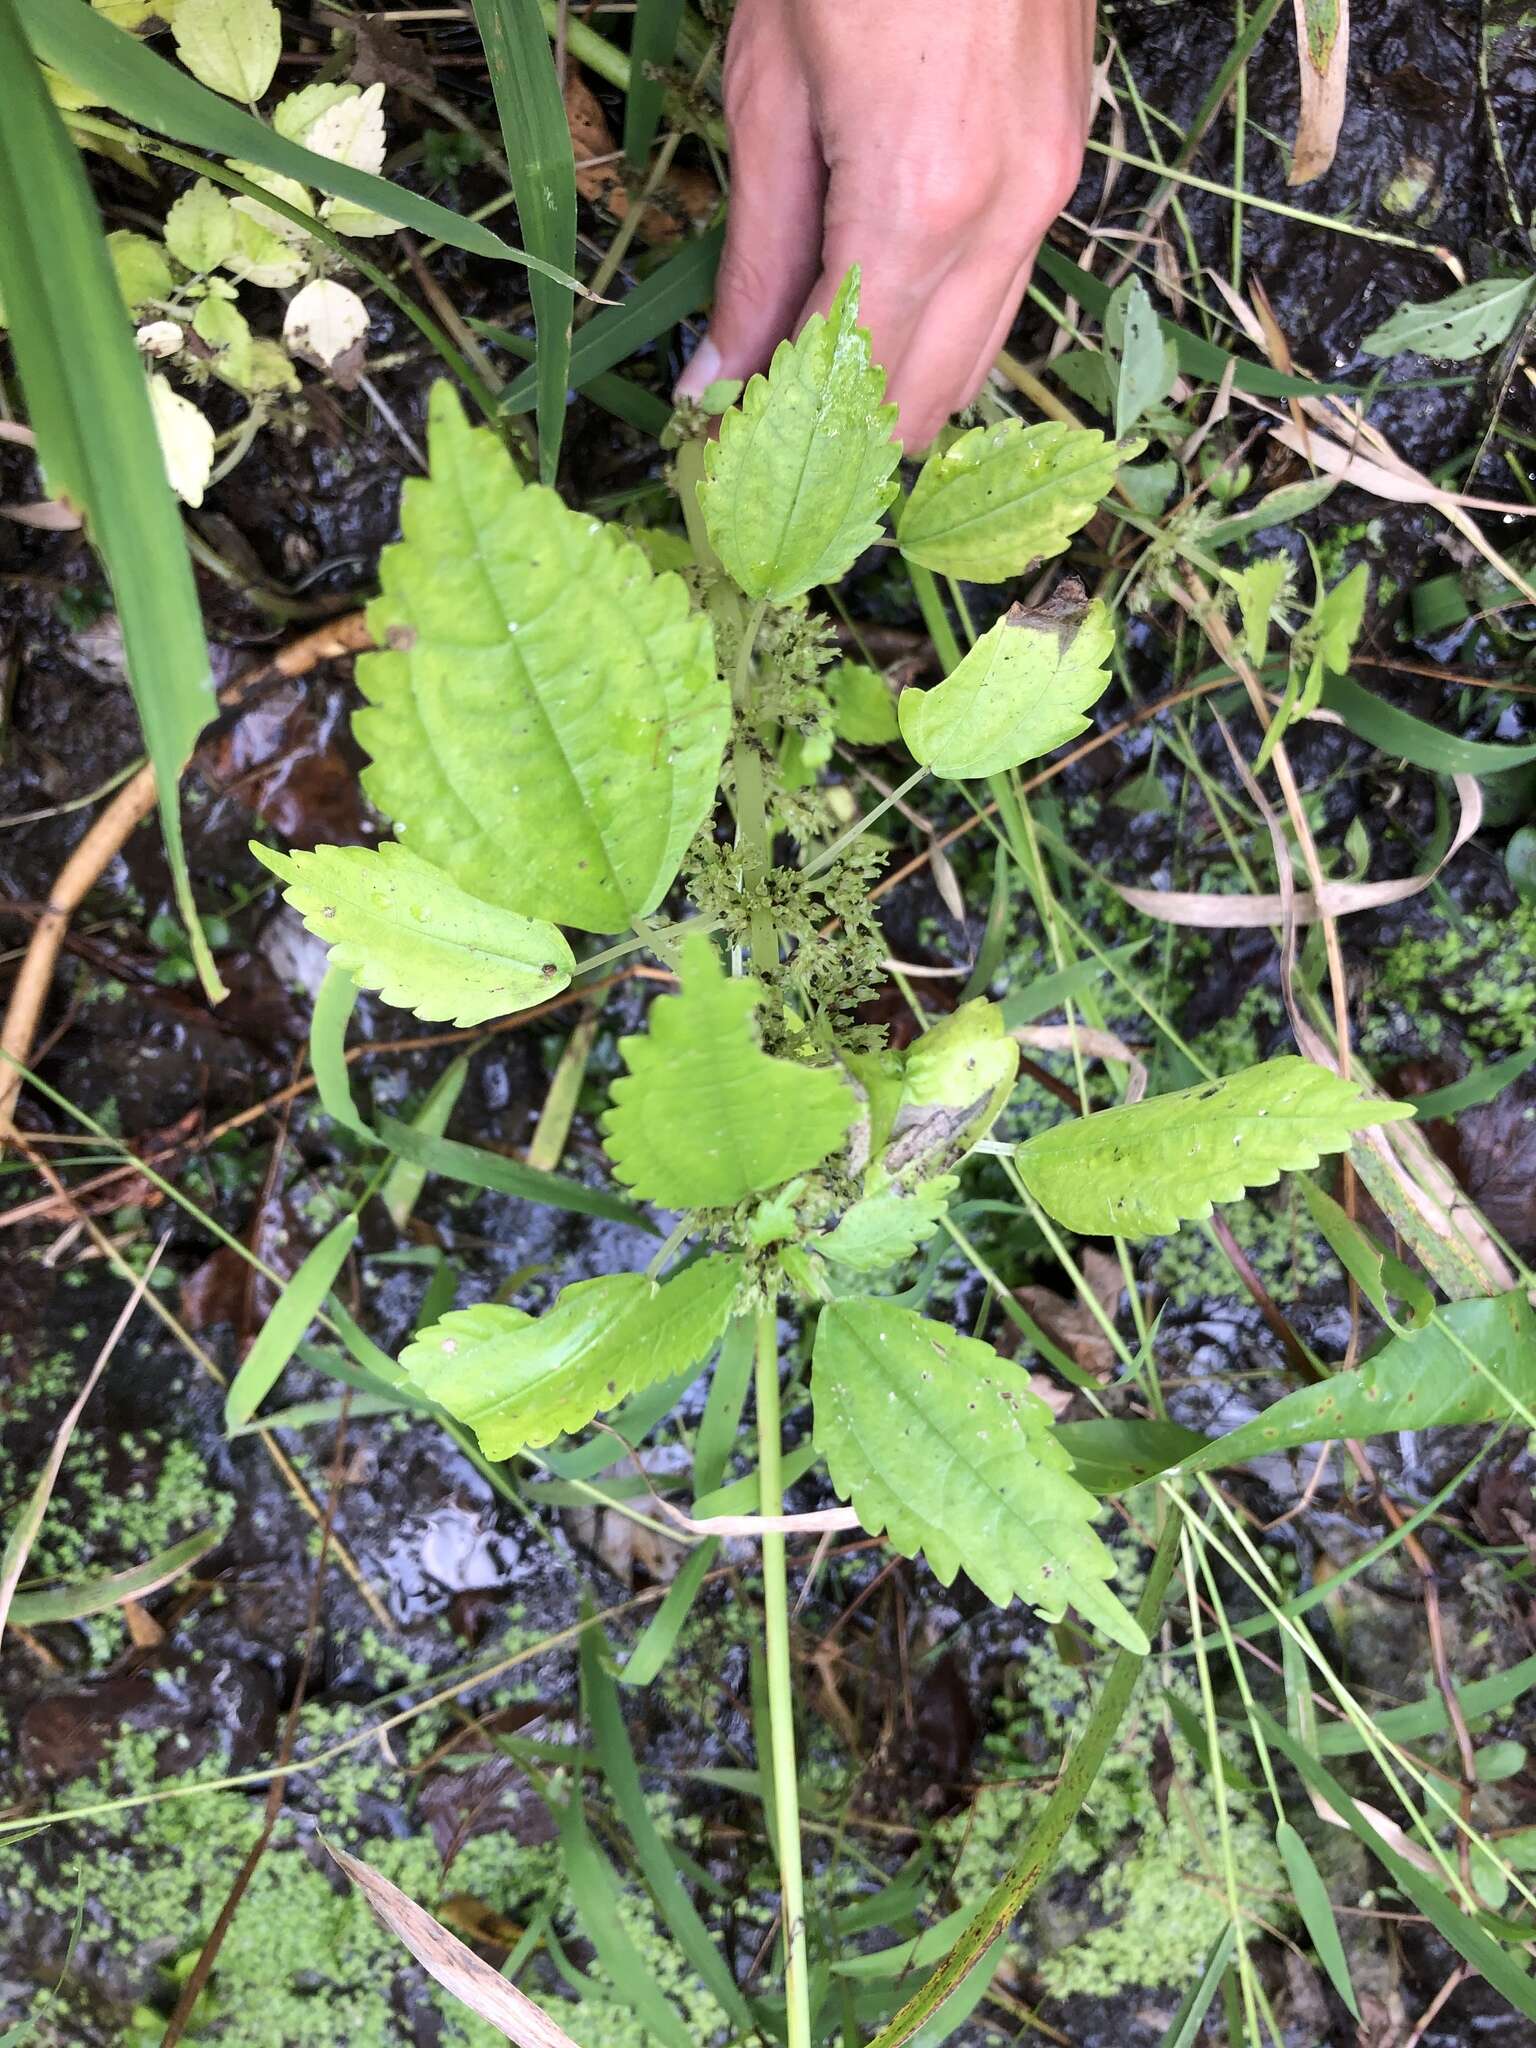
(448, 1564)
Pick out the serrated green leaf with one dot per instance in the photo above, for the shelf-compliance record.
(863, 709)
(999, 498)
(1021, 690)
(520, 1380)
(881, 1230)
(143, 275)
(940, 1444)
(954, 1082)
(231, 46)
(1464, 324)
(200, 227)
(1420, 1381)
(226, 331)
(1259, 586)
(1141, 1170)
(704, 1116)
(400, 925)
(546, 720)
(797, 482)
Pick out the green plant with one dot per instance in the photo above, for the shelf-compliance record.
(549, 721)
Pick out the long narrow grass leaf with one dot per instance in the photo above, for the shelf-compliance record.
(477, 1168)
(280, 1335)
(611, 1740)
(23, 1531)
(1316, 1909)
(1476, 1088)
(1492, 1695)
(138, 83)
(652, 46)
(593, 1894)
(537, 141)
(334, 1004)
(405, 1180)
(1469, 1940)
(77, 1598)
(683, 284)
(1190, 2017)
(1408, 738)
(658, 1639)
(89, 405)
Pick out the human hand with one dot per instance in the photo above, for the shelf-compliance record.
(932, 142)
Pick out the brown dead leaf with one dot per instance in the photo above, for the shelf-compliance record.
(686, 198)
(1322, 51)
(484, 1991)
(1073, 1325)
(143, 1629)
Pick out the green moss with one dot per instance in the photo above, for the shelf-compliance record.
(304, 1964)
(1475, 971)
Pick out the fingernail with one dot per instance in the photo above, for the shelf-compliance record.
(703, 369)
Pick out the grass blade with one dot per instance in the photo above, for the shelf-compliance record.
(683, 284)
(457, 1968)
(537, 141)
(282, 1332)
(405, 1181)
(478, 1168)
(1316, 1909)
(1476, 1088)
(658, 1639)
(328, 1023)
(1425, 1717)
(617, 1759)
(89, 405)
(1189, 2018)
(1414, 739)
(594, 1898)
(1197, 357)
(652, 46)
(1044, 1839)
(140, 85)
(1470, 1941)
(77, 1598)
(18, 1543)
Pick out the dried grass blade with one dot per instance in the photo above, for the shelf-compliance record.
(484, 1991)
(1218, 912)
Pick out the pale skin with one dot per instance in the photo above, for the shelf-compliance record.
(932, 142)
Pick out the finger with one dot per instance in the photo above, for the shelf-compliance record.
(773, 232)
(948, 363)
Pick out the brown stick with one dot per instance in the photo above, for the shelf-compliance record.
(106, 839)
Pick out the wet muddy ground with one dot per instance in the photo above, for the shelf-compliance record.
(912, 1694)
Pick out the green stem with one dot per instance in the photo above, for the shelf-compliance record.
(781, 1696)
(752, 827)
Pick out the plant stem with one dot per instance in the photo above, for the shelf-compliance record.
(753, 829)
(781, 1698)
